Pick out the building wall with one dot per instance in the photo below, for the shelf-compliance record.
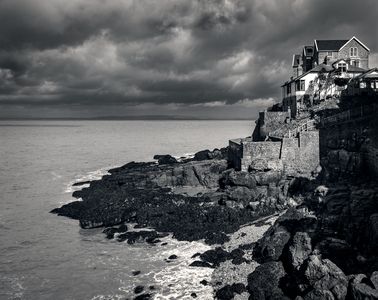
(363, 54)
(268, 121)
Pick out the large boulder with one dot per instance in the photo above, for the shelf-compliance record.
(272, 244)
(361, 288)
(299, 250)
(165, 159)
(239, 178)
(324, 277)
(264, 282)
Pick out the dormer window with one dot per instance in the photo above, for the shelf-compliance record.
(342, 67)
(353, 51)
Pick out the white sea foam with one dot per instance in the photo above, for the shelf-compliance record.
(93, 175)
(178, 280)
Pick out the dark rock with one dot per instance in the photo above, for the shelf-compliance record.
(165, 159)
(204, 282)
(324, 277)
(110, 232)
(264, 282)
(173, 256)
(202, 264)
(202, 155)
(143, 297)
(238, 288)
(135, 273)
(194, 295)
(81, 183)
(215, 256)
(238, 178)
(122, 228)
(272, 244)
(196, 255)
(138, 289)
(151, 287)
(140, 236)
(225, 293)
(362, 288)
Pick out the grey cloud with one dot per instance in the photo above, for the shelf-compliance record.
(91, 53)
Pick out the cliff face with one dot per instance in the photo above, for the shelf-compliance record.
(349, 149)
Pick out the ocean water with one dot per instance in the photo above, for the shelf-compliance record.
(43, 256)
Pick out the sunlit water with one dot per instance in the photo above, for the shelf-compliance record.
(44, 256)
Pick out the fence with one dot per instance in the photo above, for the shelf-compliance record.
(309, 125)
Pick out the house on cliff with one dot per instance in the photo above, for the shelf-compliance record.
(284, 142)
(316, 68)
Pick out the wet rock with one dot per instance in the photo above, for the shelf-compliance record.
(323, 275)
(139, 236)
(143, 297)
(109, 232)
(264, 282)
(81, 183)
(225, 293)
(201, 264)
(138, 289)
(204, 282)
(215, 256)
(238, 288)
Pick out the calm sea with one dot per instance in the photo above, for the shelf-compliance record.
(43, 256)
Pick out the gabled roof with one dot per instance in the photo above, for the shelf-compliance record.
(317, 69)
(372, 73)
(358, 41)
(355, 69)
(296, 60)
(329, 45)
(339, 60)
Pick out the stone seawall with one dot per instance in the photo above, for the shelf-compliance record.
(294, 156)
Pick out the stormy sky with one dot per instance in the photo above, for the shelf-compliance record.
(194, 58)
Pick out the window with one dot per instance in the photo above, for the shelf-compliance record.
(353, 51)
(288, 89)
(300, 85)
(356, 63)
(342, 67)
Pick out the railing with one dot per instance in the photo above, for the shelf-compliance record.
(350, 114)
(309, 125)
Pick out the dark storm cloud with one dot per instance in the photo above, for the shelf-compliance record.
(96, 53)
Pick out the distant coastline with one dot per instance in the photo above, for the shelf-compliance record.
(129, 118)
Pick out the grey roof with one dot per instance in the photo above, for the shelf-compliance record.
(330, 45)
(367, 74)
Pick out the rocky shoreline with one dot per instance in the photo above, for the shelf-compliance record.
(273, 236)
